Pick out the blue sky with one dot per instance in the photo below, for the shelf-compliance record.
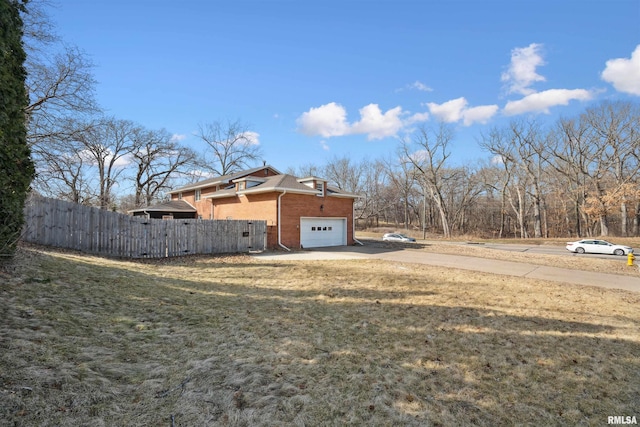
(322, 79)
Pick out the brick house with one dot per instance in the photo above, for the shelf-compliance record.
(300, 212)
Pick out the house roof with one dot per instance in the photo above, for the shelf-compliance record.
(284, 182)
(279, 183)
(170, 206)
(222, 179)
(333, 191)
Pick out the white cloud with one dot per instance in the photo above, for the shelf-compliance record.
(199, 174)
(176, 137)
(450, 111)
(417, 85)
(331, 120)
(419, 156)
(106, 154)
(327, 120)
(480, 114)
(377, 125)
(324, 145)
(252, 137)
(417, 118)
(420, 86)
(623, 73)
(121, 161)
(456, 110)
(497, 160)
(522, 70)
(542, 101)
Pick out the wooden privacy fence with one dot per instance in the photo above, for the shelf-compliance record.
(68, 225)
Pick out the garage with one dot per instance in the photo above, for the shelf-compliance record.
(320, 232)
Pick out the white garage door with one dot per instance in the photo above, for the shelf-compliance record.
(319, 232)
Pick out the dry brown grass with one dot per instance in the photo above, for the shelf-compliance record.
(236, 341)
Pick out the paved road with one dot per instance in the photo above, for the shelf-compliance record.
(510, 268)
(538, 249)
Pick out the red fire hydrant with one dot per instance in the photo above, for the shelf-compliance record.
(630, 258)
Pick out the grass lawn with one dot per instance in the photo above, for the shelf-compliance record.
(237, 341)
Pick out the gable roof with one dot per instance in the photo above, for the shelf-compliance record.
(336, 192)
(280, 184)
(170, 206)
(224, 179)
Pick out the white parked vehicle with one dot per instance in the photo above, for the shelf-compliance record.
(592, 246)
(397, 237)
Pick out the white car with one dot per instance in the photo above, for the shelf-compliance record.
(397, 237)
(598, 247)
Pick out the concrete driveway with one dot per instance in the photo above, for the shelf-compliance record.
(508, 268)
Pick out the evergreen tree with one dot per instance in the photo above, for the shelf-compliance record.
(16, 168)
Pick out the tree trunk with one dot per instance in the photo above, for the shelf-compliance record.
(521, 222)
(604, 225)
(578, 221)
(636, 220)
(537, 218)
(623, 219)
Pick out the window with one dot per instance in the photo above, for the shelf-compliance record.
(313, 229)
(241, 185)
(180, 195)
(198, 195)
(320, 188)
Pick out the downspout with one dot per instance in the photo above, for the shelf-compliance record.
(353, 217)
(280, 209)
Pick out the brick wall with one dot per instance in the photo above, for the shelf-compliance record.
(295, 206)
(250, 206)
(203, 206)
(264, 207)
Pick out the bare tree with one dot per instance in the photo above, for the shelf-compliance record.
(60, 80)
(402, 180)
(503, 168)
(231, 146)
(60, 85)
(371, 203)
(346, 174)
(616, 129)
(491, 216)
(571, 155)
(63, 171)
(305, 170)
(106, 145)
(462, 189)
(157, 158)
(61, 90)
(430, 162)
(521, 150)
